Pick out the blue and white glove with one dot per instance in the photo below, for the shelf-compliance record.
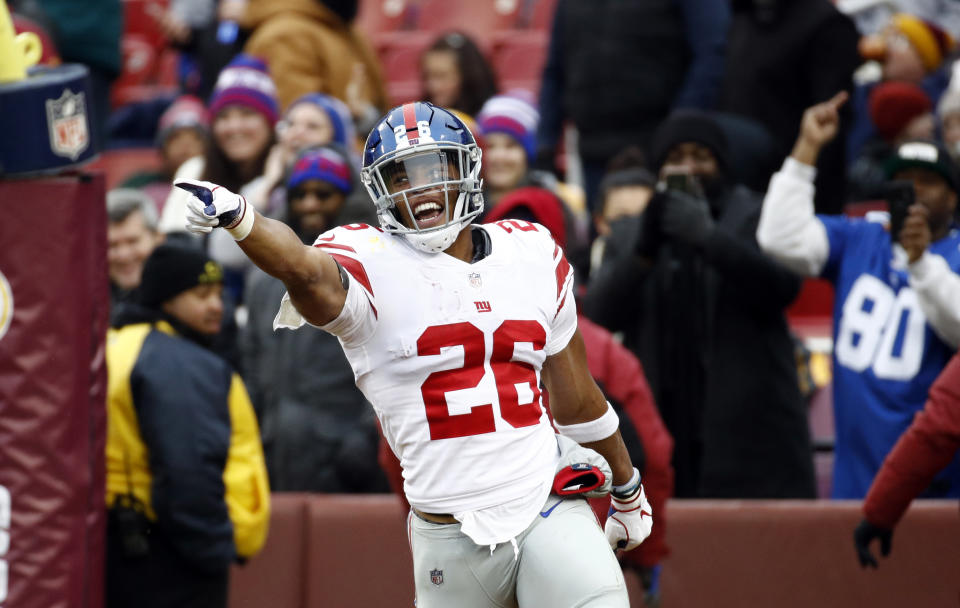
(211, 206)
(630, 519)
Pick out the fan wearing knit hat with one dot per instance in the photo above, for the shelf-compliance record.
(507, 127)
(314, 119)
(909, 48)
(317, 188)
(901, 110)
(182, 134)
(898, 111)
(243, 110)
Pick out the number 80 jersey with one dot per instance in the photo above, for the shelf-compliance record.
(450, 353)
(886, 354)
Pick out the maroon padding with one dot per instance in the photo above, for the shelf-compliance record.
(52, 386)
(358, 554)
(276, 577)
(796, 553)
(724, 553)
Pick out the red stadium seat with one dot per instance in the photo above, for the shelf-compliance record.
(121, 163)
(518, 58)
(540, 16)
(478, 18)
(378, 16)
(815, 300)
(862, 208)
(400, 58)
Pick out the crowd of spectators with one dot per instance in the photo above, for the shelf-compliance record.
(682, 244)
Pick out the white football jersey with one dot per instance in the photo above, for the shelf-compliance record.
(449, 354)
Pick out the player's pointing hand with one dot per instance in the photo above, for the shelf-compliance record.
(212, 206)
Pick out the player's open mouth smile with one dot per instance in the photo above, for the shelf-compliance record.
(428, 214)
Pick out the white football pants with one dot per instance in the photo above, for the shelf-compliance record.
(564, 561)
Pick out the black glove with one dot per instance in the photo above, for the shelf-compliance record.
(864, 535)
(686, 218)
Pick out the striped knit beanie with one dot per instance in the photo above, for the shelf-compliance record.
(324, 164)
(246, 82)
(513, 116)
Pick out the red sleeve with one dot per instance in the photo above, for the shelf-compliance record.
(623, 379)
(922, 451)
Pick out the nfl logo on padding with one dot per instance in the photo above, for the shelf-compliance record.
(67, 122)
(436, 577)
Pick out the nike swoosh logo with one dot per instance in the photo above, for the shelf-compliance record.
(547, 513)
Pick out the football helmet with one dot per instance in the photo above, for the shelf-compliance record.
(421, 166)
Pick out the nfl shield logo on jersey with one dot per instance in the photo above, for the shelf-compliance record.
(436, 577)
(475, 281)
(67, 123)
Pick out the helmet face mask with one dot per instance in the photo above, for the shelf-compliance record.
(421, 168)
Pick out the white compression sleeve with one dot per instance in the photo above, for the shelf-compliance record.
(788, 230)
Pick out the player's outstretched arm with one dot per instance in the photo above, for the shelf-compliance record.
(788, 230)
(582, 413)
(311, 276)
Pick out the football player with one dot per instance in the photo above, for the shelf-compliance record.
(896, 319)
(449, 328)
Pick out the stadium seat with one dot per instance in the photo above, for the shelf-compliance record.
(121, 163)
(400, 58)
(477, 18)
(518, 58)
(862, 208)
(815, 300)
(376, 17)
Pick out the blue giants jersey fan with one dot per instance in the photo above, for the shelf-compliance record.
(886, 355)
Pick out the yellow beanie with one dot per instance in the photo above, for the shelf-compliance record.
(931, 43)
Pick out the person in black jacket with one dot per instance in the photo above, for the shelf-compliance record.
(616, 69)
(186, 487)
(783, 56)
(702, 308)
(319, 432)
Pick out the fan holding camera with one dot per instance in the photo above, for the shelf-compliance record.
(702, 307)
(896, 313)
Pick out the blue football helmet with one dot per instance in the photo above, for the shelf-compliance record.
(421, 166)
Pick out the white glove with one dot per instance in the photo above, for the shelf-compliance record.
(211, 206)
(630, 519)
(581, 470)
